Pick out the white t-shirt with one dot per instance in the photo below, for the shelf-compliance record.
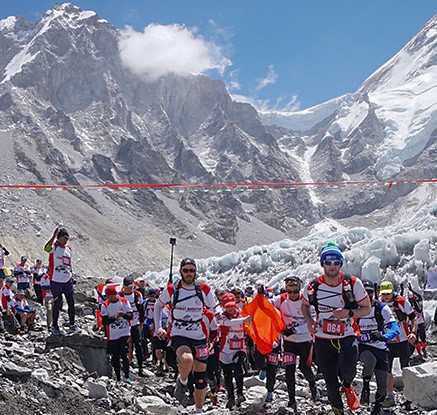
(368, 323)
(131, 298)
(60, 263)
(187, 314)
(120, 327)
(330, 298)
(292, 316)
(232, 338)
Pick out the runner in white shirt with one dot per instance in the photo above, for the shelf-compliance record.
(136, 302)
(336, 344)
(298, 341)
(188, 333)
(116, 316)
(61, 277)
(232, 347)
(376, 329)
(402, 346)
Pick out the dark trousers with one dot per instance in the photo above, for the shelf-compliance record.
(262, 362)
(137, 345)
(38, 293)
(234, 371)
(337, 358)
(301, 350)
(118, 349)
(58, 289)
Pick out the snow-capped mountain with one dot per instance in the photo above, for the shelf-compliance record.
(389, 124)
(71, 113)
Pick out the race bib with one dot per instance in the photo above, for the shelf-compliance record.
(273, 358)
(66, 260)
(236, 344)
(202, 352)
(288, 359)
(333, 327)
(364, 338)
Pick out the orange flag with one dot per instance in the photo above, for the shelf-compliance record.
(266, 324)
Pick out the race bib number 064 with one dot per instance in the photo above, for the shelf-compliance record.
(333, 327)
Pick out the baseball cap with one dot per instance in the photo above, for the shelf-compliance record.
(368, 285)
(38, 260)
(111, 290)
(386, 287)
(62, 232)
(128, 281)
(20, 292)
(24, 258)
(228, 299)
(188, 261)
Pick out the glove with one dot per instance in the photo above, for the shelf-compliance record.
(376, 336)
(261, 289)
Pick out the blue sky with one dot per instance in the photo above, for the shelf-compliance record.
(280, 54)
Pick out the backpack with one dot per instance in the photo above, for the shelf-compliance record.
(348, 297)
(378, 306)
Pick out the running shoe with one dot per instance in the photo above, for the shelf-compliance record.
(269, 397)
(262, 374)
(351, 397)
(230, 404)
(389, 402)
(74, 329)
(240, 399)
(57, 332)
(365, 396)
(315, 394)
(180, 392)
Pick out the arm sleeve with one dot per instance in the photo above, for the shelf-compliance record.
(48, 247)
(393, 331)
(157, 310)
(231, 323)
(106, 320)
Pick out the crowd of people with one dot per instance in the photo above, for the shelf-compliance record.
(211, 339)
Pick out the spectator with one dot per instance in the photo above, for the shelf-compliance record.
(3, 252)
(24, 313)
(37, 272)
(22, 274)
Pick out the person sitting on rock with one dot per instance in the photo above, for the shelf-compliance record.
(24, 313)
(6, 297)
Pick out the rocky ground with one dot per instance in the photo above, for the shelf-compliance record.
(42, 374)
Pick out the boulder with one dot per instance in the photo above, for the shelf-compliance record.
(96, 390)
(255, 398)
(91, 350)
(154, 405)
(14, 372)
(420, 385)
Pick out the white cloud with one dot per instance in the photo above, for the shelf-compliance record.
(282, 104)
(270, 78)
(232, 82)
(160, 50)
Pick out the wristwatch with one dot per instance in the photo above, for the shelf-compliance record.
(351, 313)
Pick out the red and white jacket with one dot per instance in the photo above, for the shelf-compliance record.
(60, 263)
(120, 327)
(231, 336)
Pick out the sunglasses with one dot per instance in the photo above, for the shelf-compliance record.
(187, 270)
(292, 291)
(336, 263)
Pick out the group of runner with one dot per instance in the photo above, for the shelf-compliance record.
(210, 338)
(328, 323)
